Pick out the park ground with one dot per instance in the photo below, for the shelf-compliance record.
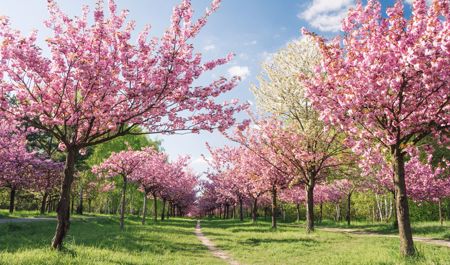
(97, 240)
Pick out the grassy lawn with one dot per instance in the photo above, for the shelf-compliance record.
(420, 229)
(99, 241)
(257, 244)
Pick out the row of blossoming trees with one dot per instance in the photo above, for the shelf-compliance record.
(98, 82)
(367, 109)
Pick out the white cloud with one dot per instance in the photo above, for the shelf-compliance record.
(209, 47)
(253, 42)
(241, 71)
(199, 161)
(411, 1)
(326, 15)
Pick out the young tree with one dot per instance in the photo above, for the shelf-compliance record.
(97, 85)
(387, 84)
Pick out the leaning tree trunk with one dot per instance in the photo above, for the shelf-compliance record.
(321, 212)
(12, 199)
(122, 206)
(298, 212)
(44, 203)
(163, 210)
(274, 207)
(255, 210)
(310, 207)
(241, 210)
(144, 208)
(404, 225)
(62, 209)
(155, 208)
(349, 200)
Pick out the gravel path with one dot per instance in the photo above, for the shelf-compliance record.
(438, 242)
(212, 248)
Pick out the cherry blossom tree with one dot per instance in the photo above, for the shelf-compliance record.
(386, 83)
(122, 164)
(97, 84)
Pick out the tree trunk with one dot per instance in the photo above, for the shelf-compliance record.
(338, 212)
(144, 208)
(349, 200)
(163, 212)
(169, 207)
(89, 205)
(274, 207)
(43, 203)
(310, 208)
(395, 224)
(62, 209)
(80, 203)
(12, 199)
(241, 210)
(155, 208)
(321, 213)
(122, 206)
(254, 210)
(298, 212)
(441, 217)
(404, 226)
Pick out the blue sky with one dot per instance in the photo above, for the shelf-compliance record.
(252, 29)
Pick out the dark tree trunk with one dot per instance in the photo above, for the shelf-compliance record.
(310, 207)
(395, 224)
(297, 206)
(155, 208)
(44, 203)
(255, 210)
(122, 206)
(89, 205)
(62, 209)
(274, 207)
(404, 225)
(441, 217)
(241, 210)
(321, 212)
(144, 208)
(163, 212)
(80, 203)
(12, 199)
(349, 202)
(169, 207)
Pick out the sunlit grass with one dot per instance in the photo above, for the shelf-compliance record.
(258, 244)
(99, 241)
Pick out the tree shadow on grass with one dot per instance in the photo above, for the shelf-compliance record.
(258, 241)
(104, 233)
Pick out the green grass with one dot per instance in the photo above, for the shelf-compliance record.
(99, 241)
(420, 229)
(258, 244)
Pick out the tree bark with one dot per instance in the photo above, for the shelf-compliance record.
(241, 210)
(404, 226)
(274, 207)
(44, 203)
(310, 207)
(80, 203)
(144, 208)
(163, 212)
(122, 206)
(349, 200)
(63, 213)
(155, 208)
(12, 199)
(255, 210)
(395, 224)
(441, 217)
(298, 212)
(321, 213)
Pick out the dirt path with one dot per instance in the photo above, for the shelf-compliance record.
(212, 248)
(438, 242)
